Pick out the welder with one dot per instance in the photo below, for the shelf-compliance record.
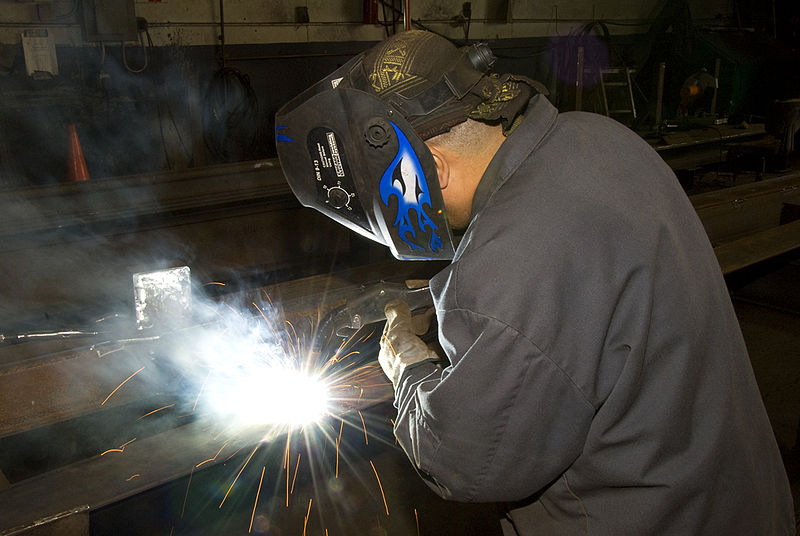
(595, 379)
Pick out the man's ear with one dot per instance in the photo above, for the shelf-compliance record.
(442, 165)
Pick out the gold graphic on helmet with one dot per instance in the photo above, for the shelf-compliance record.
(495, 94)
(392, 67)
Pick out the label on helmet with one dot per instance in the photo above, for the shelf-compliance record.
(335, 187)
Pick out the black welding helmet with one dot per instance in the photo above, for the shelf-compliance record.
(352, 146)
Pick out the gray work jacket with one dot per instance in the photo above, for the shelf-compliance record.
(598, 380)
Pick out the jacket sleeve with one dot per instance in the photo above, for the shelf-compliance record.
(499, 424)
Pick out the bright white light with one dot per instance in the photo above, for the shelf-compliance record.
(252, 382)
(274, 395)
(252, 374)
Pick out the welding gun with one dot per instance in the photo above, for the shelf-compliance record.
(367, 305)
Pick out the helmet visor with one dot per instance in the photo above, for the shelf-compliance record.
(354, 158)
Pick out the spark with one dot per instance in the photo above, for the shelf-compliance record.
(286, 463)
(296, 467)
(214, 283)
(363, 424)
(338, 440)
(120, 385)
(364, 339)
(266, 295)
(305, 523)
(200, 392)
(416, 518)
(354, 352)
(155, 411)
(186, 495)
(294, 350)
(235, 452)
(386, 339)
(132, 477)
(266, 320)
(295, 333)
(215, 455)
(253, 515)
(238, 475)
(121, 448)
(380, 486)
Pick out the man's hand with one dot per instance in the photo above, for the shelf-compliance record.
(400, 346)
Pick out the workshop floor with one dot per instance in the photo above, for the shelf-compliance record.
(768, 308)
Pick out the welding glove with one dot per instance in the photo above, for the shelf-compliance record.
(400, 345)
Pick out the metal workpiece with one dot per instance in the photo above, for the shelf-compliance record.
(163, 298)
(131, 468)
(74, 522)
(140, 400)
(749, 224)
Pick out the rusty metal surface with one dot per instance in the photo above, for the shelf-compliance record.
(71, 523)
(142, 465)
(38, 392)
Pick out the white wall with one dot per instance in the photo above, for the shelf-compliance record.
(196, 22)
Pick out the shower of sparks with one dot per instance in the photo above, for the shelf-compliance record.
(380, 486)
(251, 373)
(120, 385)
(255, 503)
(155, 411)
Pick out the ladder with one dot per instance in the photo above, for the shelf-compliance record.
(618, 79)
(614, 81)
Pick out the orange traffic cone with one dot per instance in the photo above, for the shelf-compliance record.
(77, 164)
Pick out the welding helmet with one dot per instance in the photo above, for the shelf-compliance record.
(352, 146)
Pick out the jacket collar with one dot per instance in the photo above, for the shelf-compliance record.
(539, 119)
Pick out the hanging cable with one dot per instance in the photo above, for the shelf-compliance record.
(230, 116)
(142, 29)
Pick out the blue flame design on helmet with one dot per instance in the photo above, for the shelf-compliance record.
(411, 191)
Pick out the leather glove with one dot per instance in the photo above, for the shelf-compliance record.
(400, 346)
